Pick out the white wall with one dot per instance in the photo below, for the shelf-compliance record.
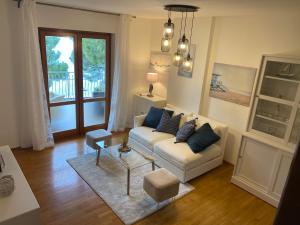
(242, 41)
(55, 17)
(8, 111)
(139, 58)
(186, 92)
(161, 86)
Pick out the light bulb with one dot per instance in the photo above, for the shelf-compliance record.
(187, 64)
(166, 43)
(177, 59)
(182, 47)
(168, 30)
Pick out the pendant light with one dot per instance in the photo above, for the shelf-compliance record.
(183, 42)
(187, 64)
(178, 57)
(167, 34)
(169, 27)
(183, 45)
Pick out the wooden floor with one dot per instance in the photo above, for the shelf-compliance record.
(65, 199)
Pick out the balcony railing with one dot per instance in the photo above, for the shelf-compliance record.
(63, 89)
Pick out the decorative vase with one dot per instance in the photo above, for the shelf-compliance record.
(7, 185)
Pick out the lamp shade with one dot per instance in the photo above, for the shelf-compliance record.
(152, 77)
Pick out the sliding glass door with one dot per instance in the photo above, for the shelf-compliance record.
(76, 68)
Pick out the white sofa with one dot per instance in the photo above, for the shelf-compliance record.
(179, 158)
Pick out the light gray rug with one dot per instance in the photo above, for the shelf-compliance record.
(109, 181)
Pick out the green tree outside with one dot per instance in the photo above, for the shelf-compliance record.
(93, 54)
(56, 70)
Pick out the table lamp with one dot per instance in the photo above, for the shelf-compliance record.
(152, 77)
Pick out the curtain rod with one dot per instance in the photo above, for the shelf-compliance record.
(76, 8)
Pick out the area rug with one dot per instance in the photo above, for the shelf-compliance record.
(109, 181)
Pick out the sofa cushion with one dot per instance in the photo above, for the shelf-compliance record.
(153, 117)
(182, 156)
(185, 131)
(169, 124)
(202, 138)
(147, 137)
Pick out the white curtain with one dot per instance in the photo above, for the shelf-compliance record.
(119, 98)
(34, 121)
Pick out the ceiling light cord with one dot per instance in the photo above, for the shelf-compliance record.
(181, 24)
(184, 23)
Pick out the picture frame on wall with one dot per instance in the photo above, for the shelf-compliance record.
(181, 71)
(232, 83)
(160, 62)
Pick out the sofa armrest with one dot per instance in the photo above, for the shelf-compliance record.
(138, 120)
(222, 131)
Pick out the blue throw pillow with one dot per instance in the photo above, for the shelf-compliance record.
(185, 131)
(169, 124)
(153, 117)
(202, 138)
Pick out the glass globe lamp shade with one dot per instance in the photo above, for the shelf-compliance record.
(165, 45)
(177, 59)
(169, 29)
(183, 45)
(187, 64)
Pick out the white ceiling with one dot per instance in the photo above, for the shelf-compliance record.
(154, 8)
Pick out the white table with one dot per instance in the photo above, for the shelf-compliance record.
(142, 103)
(21, 207)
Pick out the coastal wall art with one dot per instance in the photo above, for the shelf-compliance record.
(232, 83)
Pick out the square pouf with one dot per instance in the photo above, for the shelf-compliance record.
(93, 137)
(161, 185)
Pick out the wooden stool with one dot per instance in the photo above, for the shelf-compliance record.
(95, 136)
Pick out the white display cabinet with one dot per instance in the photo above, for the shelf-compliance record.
(274, 112)
(267, 148)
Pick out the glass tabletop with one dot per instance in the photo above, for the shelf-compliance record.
(131, 160)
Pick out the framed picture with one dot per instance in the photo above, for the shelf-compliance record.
(181, 71)
(160, 62)
(232, 83)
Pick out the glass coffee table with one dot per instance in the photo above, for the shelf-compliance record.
(130, 160)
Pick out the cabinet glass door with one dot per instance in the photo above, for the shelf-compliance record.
(278, 88)
(271, 118)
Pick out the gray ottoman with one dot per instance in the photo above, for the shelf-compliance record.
(95, 136)
(161, 185)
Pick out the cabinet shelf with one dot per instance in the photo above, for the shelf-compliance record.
(281, 79)
(274, 99)
(271, 119)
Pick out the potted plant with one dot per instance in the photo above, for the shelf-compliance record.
(99, 91)
(124, 145)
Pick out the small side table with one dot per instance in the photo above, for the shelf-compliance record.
(95, 136)
(142, 103)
